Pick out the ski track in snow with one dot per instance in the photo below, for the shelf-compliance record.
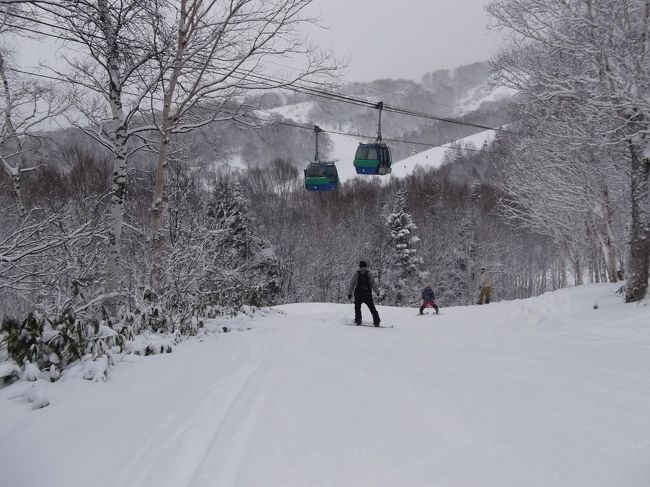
(538, 392)
(223, 459)
(198, 434)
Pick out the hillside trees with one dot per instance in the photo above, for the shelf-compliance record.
(592, 56)
(217, 261)
(319, 238)
(25, 107)
(141, 74)
(245, 260)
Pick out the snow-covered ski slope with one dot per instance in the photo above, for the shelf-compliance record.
(538, 392)
(433, 158)
(345, 146)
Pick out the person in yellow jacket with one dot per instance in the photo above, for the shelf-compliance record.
(485, 287)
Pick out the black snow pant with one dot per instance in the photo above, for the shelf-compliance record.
(366, 299)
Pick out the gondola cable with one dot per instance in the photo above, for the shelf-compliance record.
(279, 122)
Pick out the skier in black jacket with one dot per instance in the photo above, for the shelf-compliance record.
(361, 285)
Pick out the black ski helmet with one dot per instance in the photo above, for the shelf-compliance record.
(363, 263)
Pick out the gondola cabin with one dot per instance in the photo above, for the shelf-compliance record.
(321, 176)
(373, 159)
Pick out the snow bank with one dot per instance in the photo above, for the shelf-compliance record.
(36, 397)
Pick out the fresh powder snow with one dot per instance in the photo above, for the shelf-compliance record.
(546, 391)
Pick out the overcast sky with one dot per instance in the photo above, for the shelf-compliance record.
(404, 38)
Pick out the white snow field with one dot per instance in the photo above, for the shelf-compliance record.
(434, 157)
(539, 392)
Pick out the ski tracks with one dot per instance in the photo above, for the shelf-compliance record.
(205, 442)
(222, 461)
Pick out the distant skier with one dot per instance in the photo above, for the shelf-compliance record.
(429, 299)
(485, 283)
(361, 285)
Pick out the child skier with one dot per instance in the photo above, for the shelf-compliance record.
(429, 299)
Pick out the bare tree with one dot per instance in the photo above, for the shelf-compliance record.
(220, 48)
(108, 46)
(26, 106)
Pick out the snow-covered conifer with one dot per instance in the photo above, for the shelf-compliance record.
(402, 273)
(221, 262)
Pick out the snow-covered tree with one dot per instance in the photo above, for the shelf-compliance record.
(592, 54)
(246, 260)
(582, 187)
(401, 276)
(219, 262)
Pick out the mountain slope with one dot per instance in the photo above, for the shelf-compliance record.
(435, 157)
(546, 391)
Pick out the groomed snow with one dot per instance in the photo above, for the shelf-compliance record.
(539, 392)
(434, 158)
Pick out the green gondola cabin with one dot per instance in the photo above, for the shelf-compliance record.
(321, 176)
(373, 158)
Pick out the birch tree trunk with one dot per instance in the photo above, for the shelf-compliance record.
(120, 139)
(118, 190)
(14, 172)
(163, 149)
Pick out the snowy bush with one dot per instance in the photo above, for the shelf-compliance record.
(41, 343)
(23, 340)
(31, 372)
(55, 373)
(149, 344)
